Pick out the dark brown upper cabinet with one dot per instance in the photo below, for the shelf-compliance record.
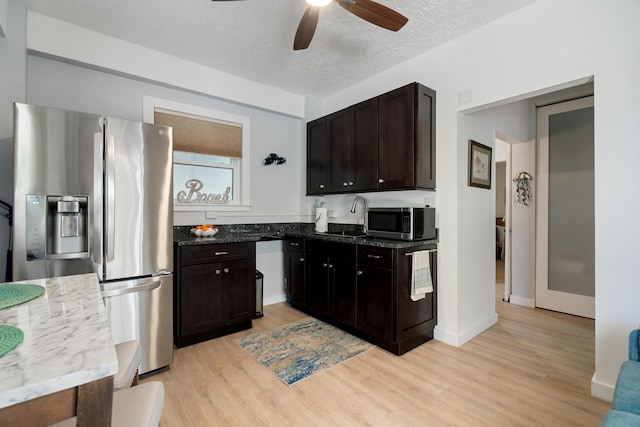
(316, 157)
(385, 143)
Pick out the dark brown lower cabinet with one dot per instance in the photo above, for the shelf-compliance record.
(375, 296)
(366, 291)
(342, 291)
(294, 270)
(331, 269)
(214, 291)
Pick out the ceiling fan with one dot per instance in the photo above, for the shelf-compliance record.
(368, 10)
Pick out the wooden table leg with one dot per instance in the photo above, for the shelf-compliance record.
(95, 402)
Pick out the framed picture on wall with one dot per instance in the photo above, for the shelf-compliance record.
(479, 165)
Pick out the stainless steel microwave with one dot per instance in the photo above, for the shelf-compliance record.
(402, 223)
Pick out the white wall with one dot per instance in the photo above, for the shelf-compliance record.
(523, 236)
(514, 58)
(60, 39)
(12, 89)
(4, 17)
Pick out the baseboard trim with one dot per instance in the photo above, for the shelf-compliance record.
(458, 340)
(274, 300)
(601, 390)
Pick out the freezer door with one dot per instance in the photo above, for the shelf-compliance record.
(142, 310)
(58, 156)
(138, 199)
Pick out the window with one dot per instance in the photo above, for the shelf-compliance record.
(211, 155)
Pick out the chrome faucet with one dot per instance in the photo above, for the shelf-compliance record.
(353, 210)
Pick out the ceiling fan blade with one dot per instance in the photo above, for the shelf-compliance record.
(375, 13)
(306, 28)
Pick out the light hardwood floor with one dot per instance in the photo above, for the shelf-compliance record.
(533, 368)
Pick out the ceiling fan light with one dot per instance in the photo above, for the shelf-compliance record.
(319, 3)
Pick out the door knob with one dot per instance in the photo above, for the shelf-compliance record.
(380, 180)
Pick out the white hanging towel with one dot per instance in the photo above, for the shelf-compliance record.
(421, 284)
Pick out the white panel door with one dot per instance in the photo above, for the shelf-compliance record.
(565, 216)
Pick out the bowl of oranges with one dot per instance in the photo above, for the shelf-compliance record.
(204, 230)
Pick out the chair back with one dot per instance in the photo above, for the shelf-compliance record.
(634, 345)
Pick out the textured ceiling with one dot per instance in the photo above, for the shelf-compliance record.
(253, 39)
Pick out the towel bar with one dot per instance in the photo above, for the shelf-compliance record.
(429, 250)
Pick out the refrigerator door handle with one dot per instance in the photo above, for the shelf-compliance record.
(110, 189)
(131, 289)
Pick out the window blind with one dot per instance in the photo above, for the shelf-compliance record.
(204, 135)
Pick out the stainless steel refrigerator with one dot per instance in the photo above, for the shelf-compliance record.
(93, 195)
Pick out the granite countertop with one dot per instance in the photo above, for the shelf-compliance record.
(279, 231)
(67, 340)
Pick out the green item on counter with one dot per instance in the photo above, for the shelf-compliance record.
(10, 337)
(13, 294)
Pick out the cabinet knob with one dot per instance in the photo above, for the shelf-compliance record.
(380, 180)
(301, 259)
(330, 265)
(350, 183)
(345, 184)
(217, 271)
(359, 273)
(226, 270)
(321, 185)
(324, 264)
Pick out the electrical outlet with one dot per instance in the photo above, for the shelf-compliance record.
(211, 215)
(430, 201)
(331, 214)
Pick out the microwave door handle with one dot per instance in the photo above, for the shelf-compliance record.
(110, 183)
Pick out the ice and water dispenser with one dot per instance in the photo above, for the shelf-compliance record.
(57, 227)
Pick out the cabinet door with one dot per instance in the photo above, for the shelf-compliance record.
(342, 291)
(199, 293)
(237, 292)
(338, 151)
(415, 318)
(364, 146)
(425, 143)
(316, 156)
(396, 139)
(317, 286)
(294, 275)
(375, 299)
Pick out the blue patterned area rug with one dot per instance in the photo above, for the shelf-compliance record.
(298, 350)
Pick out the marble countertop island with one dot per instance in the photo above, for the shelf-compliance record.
(67, 340)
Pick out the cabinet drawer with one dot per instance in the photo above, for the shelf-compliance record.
(375, 257)
(218, 252)
(332, 249)
(294, 244)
